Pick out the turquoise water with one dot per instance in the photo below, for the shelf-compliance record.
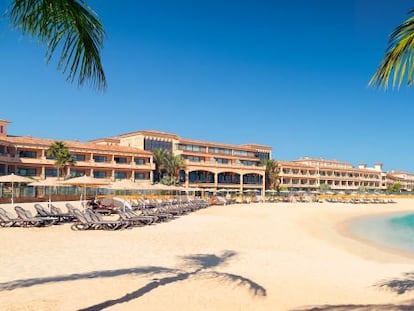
(395, 231)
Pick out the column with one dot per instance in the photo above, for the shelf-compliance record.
(241, 182)
(263, 186)
(186, 181)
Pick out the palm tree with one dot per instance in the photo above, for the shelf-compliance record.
(272, 180)
(173, 165)
(70, 25)
(159, 156)
(398, 61)
(63, 158)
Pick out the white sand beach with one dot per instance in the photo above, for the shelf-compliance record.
(267, 256)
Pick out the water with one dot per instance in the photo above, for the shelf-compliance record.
(395, 231)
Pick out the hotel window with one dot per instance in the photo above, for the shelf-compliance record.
(153, 144)
(195, 148)
(220, 150)
(99, 174)
(240, 153)
(27, 154)
(51, 172)
(263, 155)
(77, 173)
(2, 149)
(223, 161)
(98, 158)
(120, 160)
(26, 171)
(120, 175)
(1, 129)
(194, 159)
(140, 161)
(140, 176)
(79, 157)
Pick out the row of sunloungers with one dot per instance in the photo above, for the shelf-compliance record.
(88, 219)
(361, 201)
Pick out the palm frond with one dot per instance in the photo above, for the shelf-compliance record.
(253, 287)
(70, 25)
(398, 61)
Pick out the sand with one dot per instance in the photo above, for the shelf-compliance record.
(261, 256)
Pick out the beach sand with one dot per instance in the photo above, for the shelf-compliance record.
(262, 256)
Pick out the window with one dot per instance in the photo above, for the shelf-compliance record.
(99, 174)
(140, 176)
(27, 154)
(220, 150)
(1, 129)
(194, 158)
(195, 148)
(201, 177)
(140, 161)
(77, 173)
(153, 144)
(120, 160)
(79, 157)
(51, 172)
(120, 175)
(98, 158)
(263, 155)
(26, 171)
(223, 161)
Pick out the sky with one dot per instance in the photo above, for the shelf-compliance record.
(292, 75)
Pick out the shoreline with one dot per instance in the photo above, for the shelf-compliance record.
(260, 256)
(344, 228)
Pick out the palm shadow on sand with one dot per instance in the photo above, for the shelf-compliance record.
(193, 266)
(399, 286)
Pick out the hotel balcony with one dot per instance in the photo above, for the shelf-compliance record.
(92, 164)
(210, 165)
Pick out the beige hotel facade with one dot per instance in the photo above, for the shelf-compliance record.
(129, 156)
(209, 165)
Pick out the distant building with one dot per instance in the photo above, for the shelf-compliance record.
(406, 180)
(311, 173)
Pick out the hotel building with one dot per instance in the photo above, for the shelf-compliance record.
(311, 173)
(129, 156)
(208, 164)
(406, 180)
(26, 156)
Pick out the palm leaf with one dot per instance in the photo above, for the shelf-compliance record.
(253, 287)
(70, 25)
(398, 60)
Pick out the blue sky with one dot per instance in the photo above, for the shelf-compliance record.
(289, 74)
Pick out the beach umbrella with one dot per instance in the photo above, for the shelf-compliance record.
(12, 178)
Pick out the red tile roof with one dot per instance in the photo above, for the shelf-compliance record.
(45, 142)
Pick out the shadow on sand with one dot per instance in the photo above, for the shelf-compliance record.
(193, 266)
(398, 285)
